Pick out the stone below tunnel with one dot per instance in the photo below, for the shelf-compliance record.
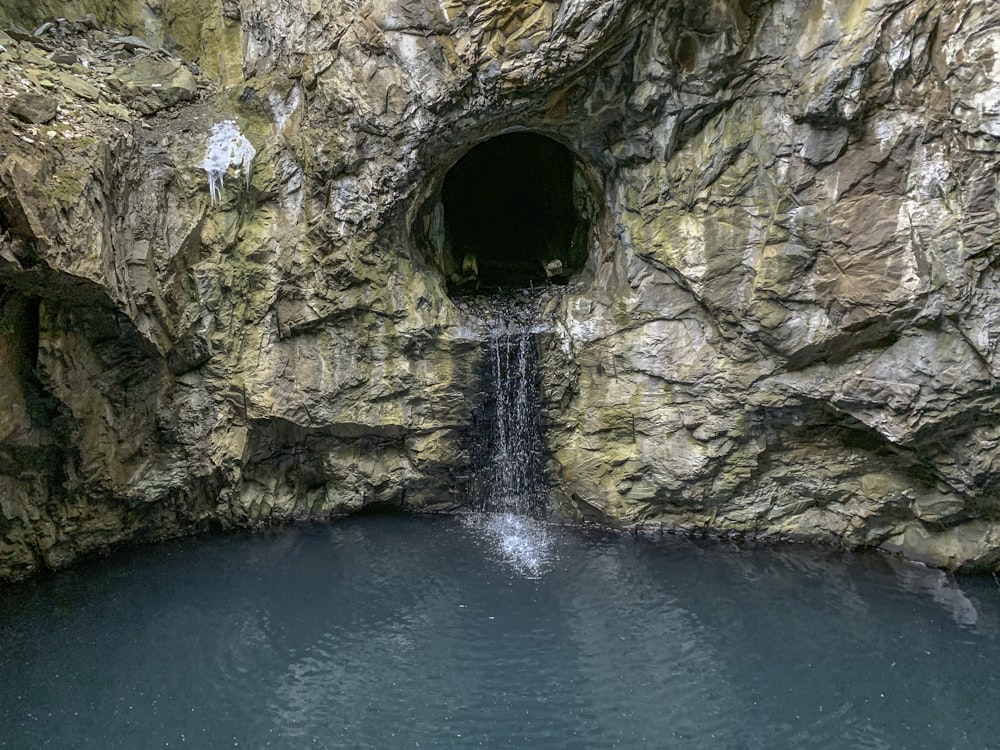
(515, 214)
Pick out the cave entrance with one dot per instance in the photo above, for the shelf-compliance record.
(517, 212)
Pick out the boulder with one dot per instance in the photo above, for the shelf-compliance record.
(34, 108)
(157, 84)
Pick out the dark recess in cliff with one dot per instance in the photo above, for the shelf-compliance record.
(511, 218)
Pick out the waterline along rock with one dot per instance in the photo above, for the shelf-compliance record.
(772, 226)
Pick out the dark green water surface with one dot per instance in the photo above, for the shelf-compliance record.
(404, 632)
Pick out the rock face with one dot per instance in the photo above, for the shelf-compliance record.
(786, 326)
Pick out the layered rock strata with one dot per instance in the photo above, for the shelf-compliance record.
(787, 325)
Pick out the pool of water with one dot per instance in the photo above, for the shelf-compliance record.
(404, 632)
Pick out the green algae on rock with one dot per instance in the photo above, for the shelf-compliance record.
(782, 322)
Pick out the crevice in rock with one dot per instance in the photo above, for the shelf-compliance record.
(382, 507)
(875, 335)
(20, 330)
(842, 448)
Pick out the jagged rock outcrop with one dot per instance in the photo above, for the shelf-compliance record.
(786, 326)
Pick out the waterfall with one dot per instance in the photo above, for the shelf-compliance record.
(510, 488)
(512, 477)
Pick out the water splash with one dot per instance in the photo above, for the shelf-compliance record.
(523, 544)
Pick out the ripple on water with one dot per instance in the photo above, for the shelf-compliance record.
(496, 631)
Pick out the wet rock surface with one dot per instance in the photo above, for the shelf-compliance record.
(786, 326)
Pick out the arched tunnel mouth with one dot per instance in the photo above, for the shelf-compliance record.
(516, 213)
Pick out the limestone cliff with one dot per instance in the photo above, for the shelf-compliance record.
(785, 322)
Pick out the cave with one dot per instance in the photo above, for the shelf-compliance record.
(516, 214)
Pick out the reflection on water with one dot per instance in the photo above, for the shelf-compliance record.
(406, 632)
(942, 588)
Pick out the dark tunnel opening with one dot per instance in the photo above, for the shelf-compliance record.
(516, 215)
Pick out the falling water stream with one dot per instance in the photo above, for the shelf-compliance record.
(510, 491)
(514, 470)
